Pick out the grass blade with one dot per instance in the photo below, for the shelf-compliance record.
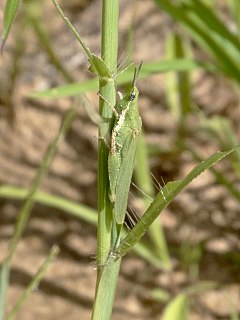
(226, 58)
(10, 11)
(34, 283)
(176, 309)
(211, 21)
(178, 85)
(235, 9)
(163, 199)
(148, 69)
(70, 207)
(97, 64)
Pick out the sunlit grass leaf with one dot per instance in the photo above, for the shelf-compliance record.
(220, 42)
(211, 21)
(178, 85)
(70, 207)
(221, 178)
(68, 90)
(161, 295)
(235, 9)
(165, 196)
(148, 69)
(10, 11)
(177, 309)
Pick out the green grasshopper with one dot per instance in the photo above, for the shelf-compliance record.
(124, 139)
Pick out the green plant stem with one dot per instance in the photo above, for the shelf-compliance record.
(4, 279)
(107, 272)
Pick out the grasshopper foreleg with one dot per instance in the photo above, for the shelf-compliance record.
(109, 104)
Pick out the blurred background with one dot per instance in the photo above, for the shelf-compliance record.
(190, 260)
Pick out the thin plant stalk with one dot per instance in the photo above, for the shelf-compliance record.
(108, 269)
(34, 283)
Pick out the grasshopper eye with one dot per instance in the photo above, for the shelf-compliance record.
(132, 96)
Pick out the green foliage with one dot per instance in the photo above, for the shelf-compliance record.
(148, 69)
(10, 11)
(222, 45)
(176, 309)
(165, 196)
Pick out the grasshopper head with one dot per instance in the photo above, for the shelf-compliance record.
(133, 94)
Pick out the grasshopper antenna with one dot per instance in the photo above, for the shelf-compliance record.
(136, 73)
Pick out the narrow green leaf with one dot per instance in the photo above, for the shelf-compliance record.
(221, 178)
(235, 9)
(34, 283)
(68, 90)
(176, 309)
(99, 67)
(70, 207)
(178, 85)
(160, 295)
(226, 59)
(211, 21)
(165, 196)
(224, 40)
(97, 64)
(147, 70)
(10, 11)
